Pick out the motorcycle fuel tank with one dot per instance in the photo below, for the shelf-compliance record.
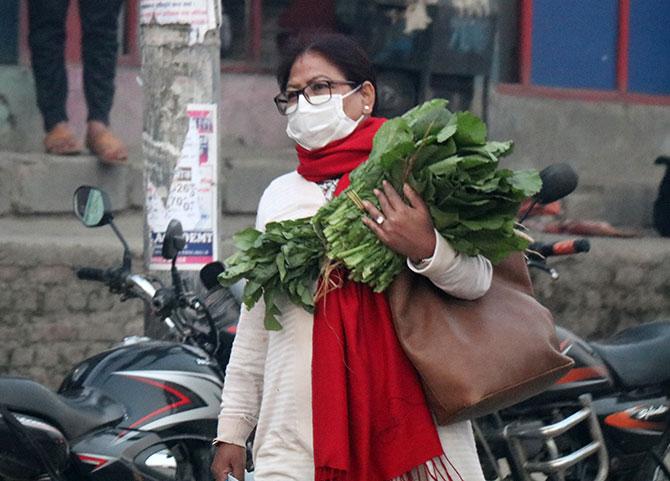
(161, 384)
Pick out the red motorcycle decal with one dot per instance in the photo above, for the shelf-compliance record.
(630, 419)
(182, 400)
(583, 374)
(97, 461)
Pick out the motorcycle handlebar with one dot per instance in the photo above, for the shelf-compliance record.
(147, 288)
(119, 280)
(561, 248)
(92, 274)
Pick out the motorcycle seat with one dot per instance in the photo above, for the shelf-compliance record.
(74, 416)
(640, 355)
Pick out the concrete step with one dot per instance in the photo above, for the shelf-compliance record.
(63, 237)
(628, 204)
(38, 183)
(247, 172)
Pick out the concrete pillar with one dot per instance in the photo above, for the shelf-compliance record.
(177, 69)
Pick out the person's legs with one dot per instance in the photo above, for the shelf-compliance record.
(99, 22)
(99, 26)
(47, 47)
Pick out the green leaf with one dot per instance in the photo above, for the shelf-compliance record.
(499, 149)
(397, 155)
(449, 130)
(443, 219)
(271, 312)
(281, 266)
(473, 161)
(526, 181)
(390, 135)
(446, 166)
(236, 270)
(470, 131)
(428, 119)
(491, 223)
(246, 238)
(252, 292)
(424, 111)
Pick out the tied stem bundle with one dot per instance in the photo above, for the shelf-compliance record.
(446, 159)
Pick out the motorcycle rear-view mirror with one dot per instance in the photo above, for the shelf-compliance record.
(174, 241)
(92, 206)
(558, 180)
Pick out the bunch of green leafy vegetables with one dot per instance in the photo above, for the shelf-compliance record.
(445, 157)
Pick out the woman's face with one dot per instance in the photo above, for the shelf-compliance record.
(312, 66)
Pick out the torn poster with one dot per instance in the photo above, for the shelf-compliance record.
(201, 15)
(192, 195)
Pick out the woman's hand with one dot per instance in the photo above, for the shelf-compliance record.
(229, 459)
(404, 228)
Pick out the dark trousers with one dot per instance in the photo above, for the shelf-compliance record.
(99, 25)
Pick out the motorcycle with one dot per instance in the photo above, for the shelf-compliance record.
(608, 418)
(145, 409)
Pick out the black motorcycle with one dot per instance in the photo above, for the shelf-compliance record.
(608, 418)
(143, 410)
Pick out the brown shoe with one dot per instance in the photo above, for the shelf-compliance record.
(106, 146)
(60, 140)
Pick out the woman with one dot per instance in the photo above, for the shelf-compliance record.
(331, 398)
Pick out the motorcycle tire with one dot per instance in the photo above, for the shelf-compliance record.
(650, 470)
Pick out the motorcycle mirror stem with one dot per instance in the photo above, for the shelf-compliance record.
(127, 254)
(176, 279)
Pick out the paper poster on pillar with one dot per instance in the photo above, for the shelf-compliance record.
(192, 195)
(201, 15)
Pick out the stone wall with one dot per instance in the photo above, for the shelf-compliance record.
(618, 284)
(49, 319)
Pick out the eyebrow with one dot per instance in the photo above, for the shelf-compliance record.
(316, 77)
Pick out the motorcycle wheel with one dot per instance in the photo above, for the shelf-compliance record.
(650, 470)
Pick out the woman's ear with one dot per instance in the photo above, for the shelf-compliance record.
(368, 95)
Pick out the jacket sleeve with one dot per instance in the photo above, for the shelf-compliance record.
(243, 386)
(462, 276)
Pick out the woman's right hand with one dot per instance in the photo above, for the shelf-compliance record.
(229, 459)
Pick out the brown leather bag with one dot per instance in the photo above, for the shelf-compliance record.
(475, 357)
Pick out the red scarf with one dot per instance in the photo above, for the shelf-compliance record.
(370, 418)
(341, 156)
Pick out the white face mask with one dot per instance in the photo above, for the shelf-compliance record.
(315, 126)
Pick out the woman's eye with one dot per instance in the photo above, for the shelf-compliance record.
(292, 96)
(320, 87)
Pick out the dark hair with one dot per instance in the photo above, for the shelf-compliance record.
(340, 50)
